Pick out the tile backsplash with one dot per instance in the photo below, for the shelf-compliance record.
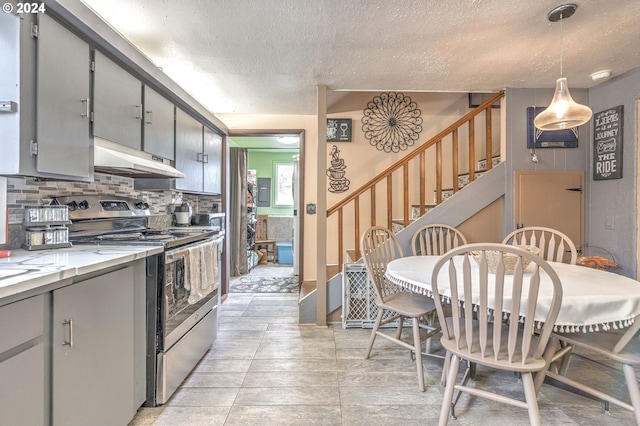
(25, 191)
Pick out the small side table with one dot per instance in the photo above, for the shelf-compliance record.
(269, 244)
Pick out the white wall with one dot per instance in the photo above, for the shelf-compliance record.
(363, 161)
(617, 197)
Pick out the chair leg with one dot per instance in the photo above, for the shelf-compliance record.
(530, 396)
(634, 391)
(418, 350)
(445, 369)
(454, 364)
(549, 351)
(374, 332)
(399, 329)
(430, 322)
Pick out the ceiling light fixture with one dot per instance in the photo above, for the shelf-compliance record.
(563, 112)
(600, 75)
(289, 140)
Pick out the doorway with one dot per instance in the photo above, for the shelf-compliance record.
(275, 170)
(553, 199)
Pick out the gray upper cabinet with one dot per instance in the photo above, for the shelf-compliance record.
(213, 163)
(64, 144)
(189, 154)
(117, 106)
(198, 156)
(159, 116)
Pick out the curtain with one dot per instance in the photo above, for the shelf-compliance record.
(238, 212)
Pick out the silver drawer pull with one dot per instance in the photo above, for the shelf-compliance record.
(86, 102)
(69, 343)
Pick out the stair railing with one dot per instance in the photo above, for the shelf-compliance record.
(451, 134)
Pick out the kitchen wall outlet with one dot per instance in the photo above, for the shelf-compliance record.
(609, 222)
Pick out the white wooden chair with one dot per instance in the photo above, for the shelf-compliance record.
(477, 333)
(554, 245)
(620, 346)
(436, 239)
(379, 246)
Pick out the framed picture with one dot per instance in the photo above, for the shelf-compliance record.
(536, 138)
(338, 130)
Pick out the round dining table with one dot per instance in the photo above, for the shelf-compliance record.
(592, 300)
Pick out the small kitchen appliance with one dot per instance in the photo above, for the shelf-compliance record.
(182, 214)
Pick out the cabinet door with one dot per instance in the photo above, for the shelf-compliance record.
(159, 122)
(189, 154)
(63, 103)
(117, 106)
(22, 375)
(93, 351)
(213, 162)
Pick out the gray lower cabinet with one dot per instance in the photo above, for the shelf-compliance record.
(23, 362)
(198, 156)
(117, 105)
(159, 120)
(94, 365)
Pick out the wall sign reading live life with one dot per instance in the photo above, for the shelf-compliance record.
(607, 144)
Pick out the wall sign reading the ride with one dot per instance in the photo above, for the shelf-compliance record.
(607, 144)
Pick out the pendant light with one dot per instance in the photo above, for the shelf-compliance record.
(563, 112)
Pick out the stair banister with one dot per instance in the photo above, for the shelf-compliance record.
(404, 163)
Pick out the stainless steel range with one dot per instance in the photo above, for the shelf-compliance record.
(182, 282)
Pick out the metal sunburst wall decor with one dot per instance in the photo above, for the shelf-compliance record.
(392, 122)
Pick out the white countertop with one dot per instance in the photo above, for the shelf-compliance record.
(39, 269)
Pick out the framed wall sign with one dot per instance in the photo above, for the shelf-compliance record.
(338, 130)
(536, 138)
(607, 144)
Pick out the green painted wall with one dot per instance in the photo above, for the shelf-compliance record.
(263, 162)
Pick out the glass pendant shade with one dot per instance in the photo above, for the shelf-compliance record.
(563, 112)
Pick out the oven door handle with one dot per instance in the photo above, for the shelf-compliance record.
(183, 251)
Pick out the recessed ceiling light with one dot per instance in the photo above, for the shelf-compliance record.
(599, 75)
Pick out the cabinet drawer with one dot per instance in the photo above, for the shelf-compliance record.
(22, 321)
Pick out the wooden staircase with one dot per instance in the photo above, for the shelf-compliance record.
(350, 217)
(373, 203)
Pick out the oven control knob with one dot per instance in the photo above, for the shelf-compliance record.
(73, 206)
(142, 205)
(84, 205)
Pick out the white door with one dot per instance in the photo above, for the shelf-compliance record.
(553, 199)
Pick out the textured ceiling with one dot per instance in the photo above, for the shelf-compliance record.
(268, 56)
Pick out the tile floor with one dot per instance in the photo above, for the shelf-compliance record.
(265, 369)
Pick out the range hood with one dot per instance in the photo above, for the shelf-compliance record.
(114, 159)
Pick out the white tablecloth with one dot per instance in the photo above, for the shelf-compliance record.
(592, 300)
